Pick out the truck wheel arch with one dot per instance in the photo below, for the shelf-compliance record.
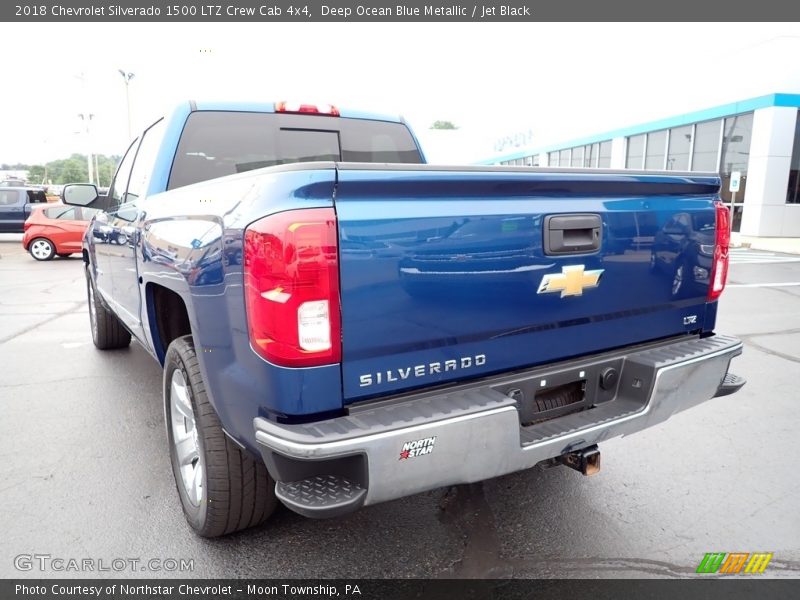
(168, 316)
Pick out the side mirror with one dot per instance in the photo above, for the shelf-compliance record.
(128, 213)
(79, 194)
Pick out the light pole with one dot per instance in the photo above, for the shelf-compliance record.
(126, 77)
(86, 118)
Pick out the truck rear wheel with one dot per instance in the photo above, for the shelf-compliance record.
(107, 332)
(222, 488)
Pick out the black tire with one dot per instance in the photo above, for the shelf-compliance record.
(236, 492)
(42, 249)
(107, 332)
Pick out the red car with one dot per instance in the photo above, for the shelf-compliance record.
(56, 229)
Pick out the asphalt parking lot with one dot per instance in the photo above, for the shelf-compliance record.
(84, 470)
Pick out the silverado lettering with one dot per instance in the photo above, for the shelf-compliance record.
(422, 370)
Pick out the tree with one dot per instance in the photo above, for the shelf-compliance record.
(106, 166)
(72, 170)
(16, 167)
(443, 125)
(68, 170)
(36, 174)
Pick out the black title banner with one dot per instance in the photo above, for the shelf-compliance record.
(394, 10)
(370, 589)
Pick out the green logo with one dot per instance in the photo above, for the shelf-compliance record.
(733, 562)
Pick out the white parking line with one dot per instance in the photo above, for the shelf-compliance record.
(757, 285)
(743, 256)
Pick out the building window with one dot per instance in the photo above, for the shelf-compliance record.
(552, 159)
(680, 144)
(587, 156)
(577, 157)
(656, 147)
(535, 160)
(563, 158)
(706, 146)
(635, 154)
(735, 153)
(793, 191)
(604, 157)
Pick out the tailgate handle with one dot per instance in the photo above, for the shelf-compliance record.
(572, 234)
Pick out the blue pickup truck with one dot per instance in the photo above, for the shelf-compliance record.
(16, 204)
(340, 324)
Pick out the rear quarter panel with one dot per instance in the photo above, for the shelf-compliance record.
(192, 243)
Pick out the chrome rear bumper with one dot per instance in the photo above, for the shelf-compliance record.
(472, 432)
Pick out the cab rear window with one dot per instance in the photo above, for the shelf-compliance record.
(214, 144)
(36, 196)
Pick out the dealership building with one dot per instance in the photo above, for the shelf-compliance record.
(753, 144)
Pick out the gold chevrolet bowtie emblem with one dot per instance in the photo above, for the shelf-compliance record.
(571, 281)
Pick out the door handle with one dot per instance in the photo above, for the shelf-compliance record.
(572, 234)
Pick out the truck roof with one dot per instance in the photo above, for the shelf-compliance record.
(269, 107)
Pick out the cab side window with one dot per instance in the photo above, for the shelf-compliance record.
(9, 197)
(116, 194)
(145, 159)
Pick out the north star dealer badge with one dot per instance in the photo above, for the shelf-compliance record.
(417, 448)
(571, 281)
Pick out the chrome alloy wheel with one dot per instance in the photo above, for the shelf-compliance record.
(185, 439)
(41, 249)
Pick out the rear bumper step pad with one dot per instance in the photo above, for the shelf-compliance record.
(730, 385)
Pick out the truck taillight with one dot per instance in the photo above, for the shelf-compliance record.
(291, 278)
(719, 264)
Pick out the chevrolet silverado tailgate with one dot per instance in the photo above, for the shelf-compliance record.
(449, 274)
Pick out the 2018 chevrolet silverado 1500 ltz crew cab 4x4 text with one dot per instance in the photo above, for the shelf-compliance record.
(341, 324)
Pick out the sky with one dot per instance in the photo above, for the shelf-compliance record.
(557, 81)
